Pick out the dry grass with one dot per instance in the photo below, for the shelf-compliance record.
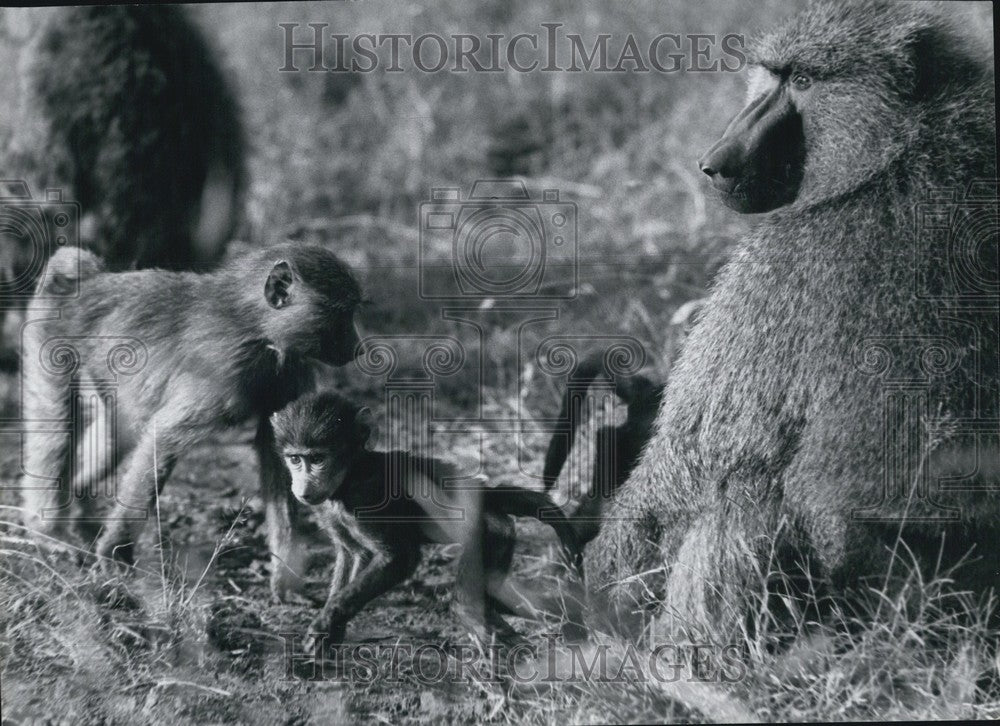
(195, 639)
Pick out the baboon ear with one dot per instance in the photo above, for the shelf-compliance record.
(365, 422)
(279, 283)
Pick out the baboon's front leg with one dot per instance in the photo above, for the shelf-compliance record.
(341, 555)
(473, 566)
(281, 512)
(329, 518)
(348, 553)
(385, 570)
(148, 469)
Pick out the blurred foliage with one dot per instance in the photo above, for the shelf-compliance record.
(346, 158)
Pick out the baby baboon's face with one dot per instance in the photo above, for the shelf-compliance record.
(316, 473)
(318, 437)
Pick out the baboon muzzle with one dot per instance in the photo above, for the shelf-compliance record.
(757, 164)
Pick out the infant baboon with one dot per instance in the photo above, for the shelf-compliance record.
(836, 340)
(127, 111)
(391, 503)
(616, 448)
(191, 354)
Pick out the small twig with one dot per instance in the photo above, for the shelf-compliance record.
(215, 553)
(159, 525)
(211, 689)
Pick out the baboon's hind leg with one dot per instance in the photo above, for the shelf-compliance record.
(46, 453)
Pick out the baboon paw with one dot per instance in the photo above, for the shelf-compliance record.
(321, 629)
(285, 589)
(113, 557)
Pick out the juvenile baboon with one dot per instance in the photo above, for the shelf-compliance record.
(616, 448)
(127, 110)
(190, 354)
(834, 344)
(391, 503)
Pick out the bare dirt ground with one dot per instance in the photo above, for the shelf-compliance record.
(196, 636)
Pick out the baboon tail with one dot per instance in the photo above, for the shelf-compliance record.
(560, 445)
(218, 213)
(520, 502)
(630, 389)
(65, 268)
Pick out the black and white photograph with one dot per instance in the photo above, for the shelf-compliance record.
(517, 362)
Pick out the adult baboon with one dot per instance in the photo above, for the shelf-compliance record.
(841, 336)
(187, 355)
(127, 110)
(142, 124)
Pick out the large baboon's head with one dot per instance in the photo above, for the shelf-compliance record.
(834, 97)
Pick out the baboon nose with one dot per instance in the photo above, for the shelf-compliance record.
(723, 160)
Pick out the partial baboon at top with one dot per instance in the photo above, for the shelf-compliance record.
(840, 386)
(127, 112)
(136, 122)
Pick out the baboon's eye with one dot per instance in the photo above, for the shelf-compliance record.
(295, 460)
(800, 81)
(317, 460)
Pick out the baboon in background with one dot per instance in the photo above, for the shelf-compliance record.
(143, 126)
(781, 427)
(128, 111)
(616, 448)
(192, 354)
